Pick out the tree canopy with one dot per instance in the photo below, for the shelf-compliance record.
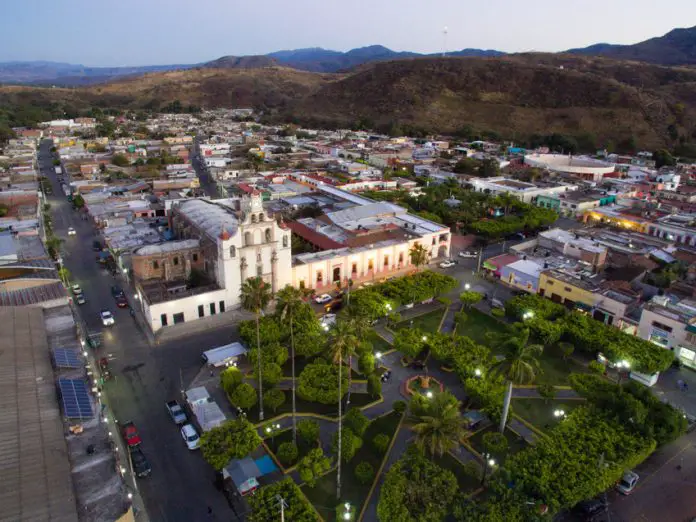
(235, 439)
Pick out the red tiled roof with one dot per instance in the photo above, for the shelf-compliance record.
(313, 237)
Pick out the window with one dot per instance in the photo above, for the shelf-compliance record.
(247, 239)
(370, 264)
(259, 270)
(285, 241)
(179, 318)
(155, 265)
(433, 243)
(253, 218)
(258, 256)
(212, 308)
(221, 305)
(386, 260)
(175, 261)
(567, 289)
(401, 258)
(233, 251)
(163, 319)
(354, 268)
(268, 235)
(201, 311)
(194, 257)
(261, 217)
(320, 277)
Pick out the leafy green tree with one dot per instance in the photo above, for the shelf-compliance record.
(235, 439)
(312, 466)
(495, 443)
(349, 445)
(244, 396)
(78, 201)
(374, 385)
(419, 255)
(519, 365)
(546, 332)
(264, 503)
(410, 341)
(546, 392)
(64, 275)
(274, 398)
(381, 442)
(366, 363)
(416, 490)
(596, 367)
(288, 306)
(400, 407)
(120, 160)
(271, 374)
(318, 382)
(272, 352)
(308, 430)
(470, 298)
(287, 453)
(230, 378)
(567, 350)
(255, 296)
(270, 331)
(542, 308)
(364, 472)
(663, 158)
(356, 421)
(440, 427)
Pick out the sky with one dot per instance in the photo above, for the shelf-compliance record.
(162, 32)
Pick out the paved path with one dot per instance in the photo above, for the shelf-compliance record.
(448, 323)
(528, 435)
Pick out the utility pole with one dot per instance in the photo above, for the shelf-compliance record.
(478, 269)
(283, 505)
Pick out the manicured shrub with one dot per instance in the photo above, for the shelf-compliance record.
(287, 453)
(399, 406)
(364, 472)
(308, 430)
(381, 442)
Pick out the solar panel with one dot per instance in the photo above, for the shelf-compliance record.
(66, 358)
(76, 401)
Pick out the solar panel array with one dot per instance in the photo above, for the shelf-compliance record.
(67, 358)
(75, 398)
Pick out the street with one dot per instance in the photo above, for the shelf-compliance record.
(181, 486)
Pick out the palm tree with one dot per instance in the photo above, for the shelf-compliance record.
(343, 344)
(418, 254)
(519, 365)
(255, 296)
(289, 303)
(440, 427)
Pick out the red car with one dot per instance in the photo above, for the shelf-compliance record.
(122, 302)
(130, 434)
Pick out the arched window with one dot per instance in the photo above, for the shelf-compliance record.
(285, 241)
(253, 218)
(268, 235)
(261, 217)
(233, 251)
(247, 239)
(320, 277)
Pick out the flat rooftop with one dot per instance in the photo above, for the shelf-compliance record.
(35, 483)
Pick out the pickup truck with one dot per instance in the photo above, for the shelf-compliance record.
(176, 412)
(130, 434)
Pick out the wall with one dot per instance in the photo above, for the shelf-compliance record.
(548, 286)
(162, 266)
(187, 305)
(517, 279)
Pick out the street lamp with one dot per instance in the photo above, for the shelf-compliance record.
(271, 430)
(489, 462)
(424, 338)
(621, 365)
(467, 286)
(478, 372)
(559, 414)
(348, 512)
(429, 394)
(527, 315)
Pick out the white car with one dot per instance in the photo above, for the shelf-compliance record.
(447, 264)
(191, 438)
(71, 231)
(80, 299)
(323, 298)
(107, 318)
(76, 290)
(328, 320)
(628, 483)
(466, 253)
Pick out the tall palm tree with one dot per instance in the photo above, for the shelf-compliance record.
(289, 303)
(440, 427)
(519, 365)
(343, 344)
(255, 296)
(418, 254)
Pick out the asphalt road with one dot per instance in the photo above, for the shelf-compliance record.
(181, 486)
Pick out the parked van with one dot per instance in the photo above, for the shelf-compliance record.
(497, 303)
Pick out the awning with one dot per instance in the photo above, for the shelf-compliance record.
(489, 266)
(583, 306)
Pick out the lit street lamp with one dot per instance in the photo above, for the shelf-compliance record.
(467, 286)
(559, 414)
(489, 462)
(271, 430)
(527, 315)
(622, 366)
(478, 372)
(429, 394)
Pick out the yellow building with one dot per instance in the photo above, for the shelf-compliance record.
(567, 290)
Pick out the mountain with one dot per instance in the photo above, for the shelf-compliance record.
(241, 62)
(71, 74)
(678, 47)
(475, 53)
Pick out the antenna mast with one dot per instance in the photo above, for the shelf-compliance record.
(444, 42)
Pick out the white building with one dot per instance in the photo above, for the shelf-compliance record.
(671, 324)
(234, 246)
(523, 191)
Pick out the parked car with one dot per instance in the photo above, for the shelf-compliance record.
(591, 508)
(107, 318)
(497, 303)
(628, 483)
(76, 290)
(176, 412)
(141, 466)
(467, 253)
(71, 231)
(190, 436)
(117, 292)
(80, 299)
(447, 264)
(323, 298)
(386, 376)
(130, 434)
(122, 302)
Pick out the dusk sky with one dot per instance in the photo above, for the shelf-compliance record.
(150, 32)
